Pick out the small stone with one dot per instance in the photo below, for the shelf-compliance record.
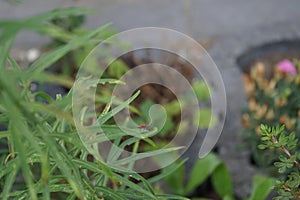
(33, 54)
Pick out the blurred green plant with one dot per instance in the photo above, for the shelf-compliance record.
(288, 160)
(173, 111)
(201, 90)
(273, 99)
(64, 27)
(261, 187)
(212, 166)
(212, 169)
(43, 157)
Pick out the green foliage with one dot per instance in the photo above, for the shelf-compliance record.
(44, 158)
(206, 118)
(176, 180)
(201, 90)
(272, 101)
(288, 160)
(65, 27)
(212, 166)
(213, 169)
(170, 126)
(201, 170)
(155, 119)
(69, 22)
(117, 69)
(172, 108)
(221, 181)
(262, 186)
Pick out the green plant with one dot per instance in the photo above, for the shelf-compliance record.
(273, 99)
(288, 159)
(213, 169)
(173, 112)
(62, 28)
(261, 187)
(212, 166)
(43, 155)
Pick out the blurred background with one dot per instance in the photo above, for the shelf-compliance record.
(202, 19)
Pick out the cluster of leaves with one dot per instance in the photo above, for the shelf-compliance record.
(42, 155)
(288, 160)
(173, 111)
(62, 28)
(210, 166)
(273, 99)
(212, 169)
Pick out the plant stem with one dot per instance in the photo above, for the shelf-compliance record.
(284, 150)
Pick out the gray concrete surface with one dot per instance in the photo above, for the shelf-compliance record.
(234, 26)
(198, 18)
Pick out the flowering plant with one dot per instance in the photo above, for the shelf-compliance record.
(272, 100)
(287, 66)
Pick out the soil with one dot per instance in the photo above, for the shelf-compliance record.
(153, 92)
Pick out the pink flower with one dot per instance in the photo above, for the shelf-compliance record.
(287, 66)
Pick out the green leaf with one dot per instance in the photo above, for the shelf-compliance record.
(143, 155)
(172, 108)
(262, 186)
(134, 186)
(5, 49)
(110, 194)
(17, 127)
(170, 197)
(55, 32)
(206, 118)
(168, 126)
(262, 146)
(167, 171)
(200, 199)
(117, 69)
(12, 27)
(201, 170)
(64, 163)
(145, 107)
(221, 181)
(103, 118)
(201, 90)
(4, 134)
(228, 197)
(176, 180)
(10, 180)
(50, 58)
